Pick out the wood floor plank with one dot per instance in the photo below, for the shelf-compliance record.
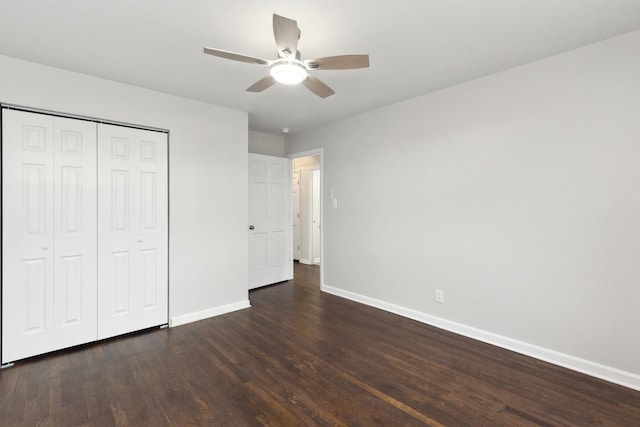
(303, 357)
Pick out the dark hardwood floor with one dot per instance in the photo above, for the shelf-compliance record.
(301, 357)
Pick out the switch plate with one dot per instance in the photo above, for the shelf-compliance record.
(440, 296)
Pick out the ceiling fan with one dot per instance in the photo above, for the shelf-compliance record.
(289, 68)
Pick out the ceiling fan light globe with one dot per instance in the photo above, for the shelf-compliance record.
(289, 72)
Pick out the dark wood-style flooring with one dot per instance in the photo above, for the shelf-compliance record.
(300, 357)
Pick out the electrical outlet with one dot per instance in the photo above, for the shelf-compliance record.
(440, 296)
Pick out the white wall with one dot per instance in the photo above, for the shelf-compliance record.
(309, 162)
(207, 184)
(517, 194)
(264, 143)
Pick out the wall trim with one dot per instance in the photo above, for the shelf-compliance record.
(607, 373)
(210, 312)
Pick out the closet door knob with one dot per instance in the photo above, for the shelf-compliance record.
(140, 240)
(251, 227)
(45, 247)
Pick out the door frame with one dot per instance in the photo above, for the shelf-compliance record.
(315, 152)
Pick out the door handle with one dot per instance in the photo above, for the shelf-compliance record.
(45, 247)
(140, 240)
(251, 227)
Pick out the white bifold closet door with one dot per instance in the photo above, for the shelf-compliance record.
(132, 230)
(84, 232)
(48, 233)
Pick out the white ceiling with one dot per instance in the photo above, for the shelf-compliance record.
(415, 46)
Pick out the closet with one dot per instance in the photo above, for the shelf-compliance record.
(84, 231)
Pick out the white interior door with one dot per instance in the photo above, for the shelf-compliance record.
(315, 216)
(133, 230)
(269, 220)
(48, 233)
(295, 210)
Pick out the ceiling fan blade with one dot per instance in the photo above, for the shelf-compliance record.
(341, 62)
(286, 33)
(262, 84)
(317, 87)
(236, 56)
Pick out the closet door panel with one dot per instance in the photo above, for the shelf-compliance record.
(27, 235)
(49, 233)
(133, 230)
(75, 237)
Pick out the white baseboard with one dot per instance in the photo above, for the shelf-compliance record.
(593, 369)
(205, 314)
(305, 261)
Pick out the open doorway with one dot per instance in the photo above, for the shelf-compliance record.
(306, 209)
(306, 202)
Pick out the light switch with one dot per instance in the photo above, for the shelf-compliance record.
(334, 203)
